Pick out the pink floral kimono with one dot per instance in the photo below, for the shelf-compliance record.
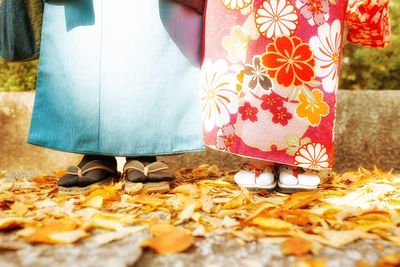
(270, 74)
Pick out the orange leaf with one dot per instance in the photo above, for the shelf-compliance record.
(170, 242)
(43, 234)
(19, 208)
(363, 263)
(45, 180)
(296, 247)
(160, 229)
(309, 262)
(11, 223)
(272, 223)
(301, 199)
(191, 190)
(300, 217)
(59, 173)
(389, 260)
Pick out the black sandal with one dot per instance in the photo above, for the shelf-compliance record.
(95, 172)
(155, 176)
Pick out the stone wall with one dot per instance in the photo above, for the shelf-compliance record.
(367, 133)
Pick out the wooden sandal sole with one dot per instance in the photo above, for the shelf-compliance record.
(74, 190)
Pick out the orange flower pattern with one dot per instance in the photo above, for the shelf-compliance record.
(312, 109)
(275, 67)
(289, 61)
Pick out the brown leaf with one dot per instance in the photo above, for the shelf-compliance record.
(11, 223)
(174, 241)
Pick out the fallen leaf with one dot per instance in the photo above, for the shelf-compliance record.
(94, 202)
(296, 247)
(191, 190)
(187, 211)
(363, 263)
(389, 260)
(106, 222)
(301, 199)
(6, 184)
(160, 229)
(68, 237)
(310, 262)
(171, 242)
(271, 223)
(11, 223)
(341, 238)
(19, 208)
(44, 233)
(45, 180)
(206, 203)
(147, 200)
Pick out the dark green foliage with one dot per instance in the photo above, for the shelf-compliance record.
(18, 76)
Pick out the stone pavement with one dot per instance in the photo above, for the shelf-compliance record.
(216, 251)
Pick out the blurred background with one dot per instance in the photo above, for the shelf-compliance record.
(367, 128)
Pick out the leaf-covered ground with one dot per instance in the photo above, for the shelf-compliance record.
(205, 203)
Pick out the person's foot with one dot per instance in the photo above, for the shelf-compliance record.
(293, 179)
(254, 178)
(91, 170)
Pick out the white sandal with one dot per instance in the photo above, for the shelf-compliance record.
(252, 178)
(292, 179)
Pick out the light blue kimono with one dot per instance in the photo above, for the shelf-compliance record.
(118, 77)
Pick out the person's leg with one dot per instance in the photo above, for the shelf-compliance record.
(256, 174)
(93, 169)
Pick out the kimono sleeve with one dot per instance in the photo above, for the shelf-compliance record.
(368, 22)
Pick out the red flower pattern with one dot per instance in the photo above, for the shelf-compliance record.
(271, 102)
(282, 116)
(248, 112)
